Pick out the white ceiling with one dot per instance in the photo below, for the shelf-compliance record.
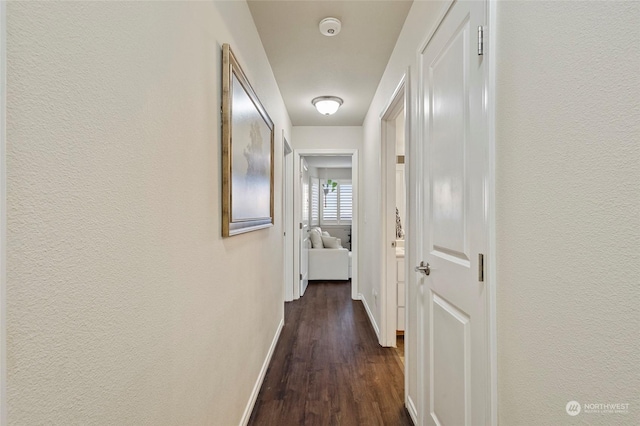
(307, 64)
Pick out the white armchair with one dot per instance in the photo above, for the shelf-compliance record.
(328, 260)
(328, 264)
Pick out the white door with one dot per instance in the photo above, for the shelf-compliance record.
(453, 300)
(304, 220)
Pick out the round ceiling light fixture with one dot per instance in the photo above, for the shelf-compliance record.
(330, 26)
(327, 105)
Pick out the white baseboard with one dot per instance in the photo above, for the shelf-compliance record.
(263, 371)
(370, 315)
(411, 408)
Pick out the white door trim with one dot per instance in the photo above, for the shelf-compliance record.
(490, 274)
(297, 207)
(287, 217)
(298, 290)
(3, 213)
(388, 295)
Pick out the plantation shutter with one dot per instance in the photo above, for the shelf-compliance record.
(346, 201)
(330, 207)
(336, 207)
(315, 202)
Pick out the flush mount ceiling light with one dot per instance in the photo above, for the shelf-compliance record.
(330, 26)
(327, 105)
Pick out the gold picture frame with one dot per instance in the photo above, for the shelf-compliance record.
(247, 153)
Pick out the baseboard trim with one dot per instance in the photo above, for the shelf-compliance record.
(411, 408)
(370, 315)
(256, 388)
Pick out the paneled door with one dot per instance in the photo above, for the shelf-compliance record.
(453, 301)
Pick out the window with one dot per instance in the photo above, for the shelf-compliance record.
(315, 201)
(336, 207)
(345, 202)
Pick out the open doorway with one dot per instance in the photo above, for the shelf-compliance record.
(287, 220)
(331, 201)
(394, 195)
(326, 197)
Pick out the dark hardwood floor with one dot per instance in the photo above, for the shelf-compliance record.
(328, 368)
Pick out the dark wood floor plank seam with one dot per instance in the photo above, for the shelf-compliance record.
(328, 368)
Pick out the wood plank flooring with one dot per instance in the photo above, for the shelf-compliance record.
(328, 368)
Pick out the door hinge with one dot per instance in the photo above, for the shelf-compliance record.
(300, 225)
(480, 40)
(480, 267)
(300, 277)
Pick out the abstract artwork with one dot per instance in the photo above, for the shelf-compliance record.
(247, 153)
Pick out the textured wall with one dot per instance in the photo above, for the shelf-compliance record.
(327, 137)
(125, 306)
(568, 194)
(334, 173)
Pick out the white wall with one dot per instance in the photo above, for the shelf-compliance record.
(124, 304)
(335, 173)
(327, 137)
(400, 121)
(420, 20)
(313, 171)
(568, 197)
(330, 173)
(401, 190)
(401, 195)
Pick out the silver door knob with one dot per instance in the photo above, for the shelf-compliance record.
(424, 268)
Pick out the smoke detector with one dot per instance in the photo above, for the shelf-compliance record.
(330, 26)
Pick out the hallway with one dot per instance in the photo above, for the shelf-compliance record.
(328, 368)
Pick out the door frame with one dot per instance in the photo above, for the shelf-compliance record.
(287, 217)
(298, 287)
(491, 272)
(398, 103)
(297, 212)
(490, 42)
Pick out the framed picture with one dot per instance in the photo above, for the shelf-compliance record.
(247, 153)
